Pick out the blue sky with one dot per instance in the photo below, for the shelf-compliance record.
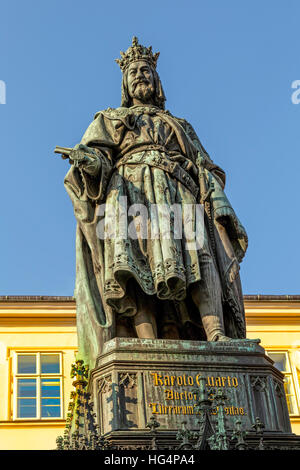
(226, 66)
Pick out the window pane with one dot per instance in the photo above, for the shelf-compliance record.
(27, 388)
(50, 363)
(26, 408)
(50, 388)
(50, 408)
(280, 361)
(290, 395)
(27, 364)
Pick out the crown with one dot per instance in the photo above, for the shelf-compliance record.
(137, 52)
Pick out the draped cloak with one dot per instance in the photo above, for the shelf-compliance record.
(149, 157)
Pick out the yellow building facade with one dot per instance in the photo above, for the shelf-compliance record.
(38, 344)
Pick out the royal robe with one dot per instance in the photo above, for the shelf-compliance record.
(146, 156)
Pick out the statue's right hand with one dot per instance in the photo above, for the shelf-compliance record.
(84, 148)
(80, 154)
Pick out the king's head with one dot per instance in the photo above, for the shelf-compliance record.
(137, 52)
(141, 84)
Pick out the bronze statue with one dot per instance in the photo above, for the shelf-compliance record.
(143, 286)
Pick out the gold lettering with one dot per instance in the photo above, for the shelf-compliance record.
(184, 380)
(176, 394)
(190, 380)
(242, 412)
(153, 407)
(228, 381)
(173, 379)
(190, 396)
(190, 410)
(234, 382)
(167, 380)
(198, 379)
(210, 382)
(169, 394)
(218, 382)
(223, 381)
(157, 378)
(179, 380)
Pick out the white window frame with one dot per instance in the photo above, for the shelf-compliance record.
(38, 376)
(292, 373)
(296, 375)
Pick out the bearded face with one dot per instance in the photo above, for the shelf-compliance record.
(140, 82)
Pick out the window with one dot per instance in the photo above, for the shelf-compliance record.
(282, 363)
(38, 386)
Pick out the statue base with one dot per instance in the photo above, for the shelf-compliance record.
(135, 379)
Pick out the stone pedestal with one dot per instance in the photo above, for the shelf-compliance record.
(137, 378)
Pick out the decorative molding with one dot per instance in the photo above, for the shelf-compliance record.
(258, 383)
(105, 384)
(128, 380)
(279, 390)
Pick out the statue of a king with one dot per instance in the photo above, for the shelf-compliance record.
(130, 161)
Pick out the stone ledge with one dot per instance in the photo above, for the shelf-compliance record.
(182, 346)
